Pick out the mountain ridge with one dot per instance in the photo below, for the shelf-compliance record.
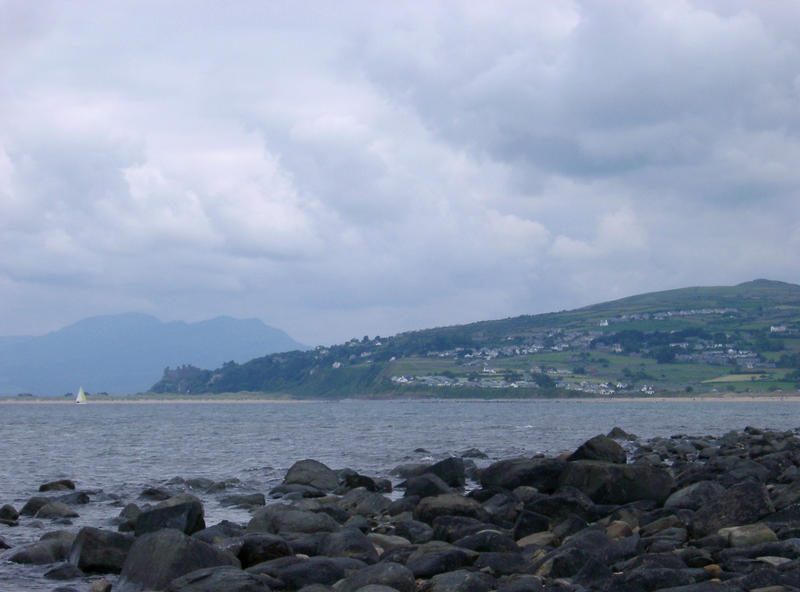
(124, 353)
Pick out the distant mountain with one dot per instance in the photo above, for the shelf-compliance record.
(125, 353)
(743, 338)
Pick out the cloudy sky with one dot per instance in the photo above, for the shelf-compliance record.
(344, 168)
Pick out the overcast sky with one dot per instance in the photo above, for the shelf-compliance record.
(343, 168)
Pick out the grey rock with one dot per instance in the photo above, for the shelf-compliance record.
(259, 547)
(386, 573)
(157, 558)
(54, 510)
(313, 473)
(425, 485)
(416, 532)
(462, 581)
(543, 474)
(102, 551)
(449, 504)
(610, 483)
(65, 571)
(58, 485)
(695, 495)
(743, 503)
(316, 570)
(7, 512)
(600, 448)
(278, 518)
(348, 542)
(220, 579)
(182, 512)
(244, 500)
(449, 470)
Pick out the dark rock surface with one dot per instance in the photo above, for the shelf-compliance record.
(686, 514)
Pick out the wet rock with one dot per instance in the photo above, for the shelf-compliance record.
(157, 558)
(316, 570)
(101, 551)
(450, 528)
(695, 495)
(244, 500)
(609, 483)
(219, 532)
(181, 512)
(54, 510)
(58, 485)
(432, 559)
(523, 583)
(101, 585)
(199, 483)
(501, 563)
(51, 548)
(449, 470)
(504, 508)
(7, 512)
(529, 522)
(743, 503)
(416, 532)
(748, 534)
(600, 448)
(278, 518)
(408, 470)
(488, 541)
(312, 473)
(618, 433)
(296, 491)
(385, 542)
(462, 581)
(543, 474)
(473, 453)
(363, 502)
(449, 504)
(348, 542)
(350, 479)
(258, 547)
(156, 494)
(386, 573)
(426, 485)
(3, 544)
(33, 505)
(65, 571)
(219, 579)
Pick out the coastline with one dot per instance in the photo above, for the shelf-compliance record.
(793, 397)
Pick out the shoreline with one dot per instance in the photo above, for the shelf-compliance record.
(789, 398)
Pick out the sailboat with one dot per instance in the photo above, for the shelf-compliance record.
(81, 398)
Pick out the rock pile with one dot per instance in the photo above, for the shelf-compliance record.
(678, 514)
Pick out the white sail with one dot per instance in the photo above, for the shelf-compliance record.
(81, 398)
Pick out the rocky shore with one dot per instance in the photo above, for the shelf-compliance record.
(674, 514)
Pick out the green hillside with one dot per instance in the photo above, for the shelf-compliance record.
(743, 338)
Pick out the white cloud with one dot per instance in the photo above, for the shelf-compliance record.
(389, 165)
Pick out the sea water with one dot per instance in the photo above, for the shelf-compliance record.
(117, 450)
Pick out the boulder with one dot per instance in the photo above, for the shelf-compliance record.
(54, 510)
(611, 483)
(525, 583)
(305, 572)
(350, 479)
(449, 470)
(364, 502)
(312, 473)
(53, 547)
(452, 528)
(449, 504)
(65, 571)
(279, 518)
(501, 563)
(223, 578)
(436, 557)
(259, 547)
(425, 485)
(156, 494)
(600, 448)
(618, 433)
(743, 503)
(58, 485)
(748, 534)
(385, 573)
(181, 512)
(157, 558)
(462, 581)
(416, 532)
(529, 522)
(7, 512)
(244, 500)
(348, 542)
(488, 541)
(695, 495)
(33, 505)
(219, 532)
(101, 551)
(541, 473)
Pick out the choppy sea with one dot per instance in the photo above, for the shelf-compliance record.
(115, 451)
